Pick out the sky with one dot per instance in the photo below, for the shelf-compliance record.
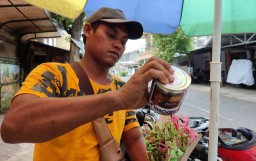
(134, 45)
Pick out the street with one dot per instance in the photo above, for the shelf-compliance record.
(237, 105)
(237, 109)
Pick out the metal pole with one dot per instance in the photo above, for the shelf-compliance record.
(215, 79)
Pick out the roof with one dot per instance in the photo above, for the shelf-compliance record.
(234, 40)
(20, 18)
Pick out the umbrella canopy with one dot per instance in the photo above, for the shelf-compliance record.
(66, 8)
(195, 17)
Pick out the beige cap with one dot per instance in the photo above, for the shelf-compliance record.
(135, 29)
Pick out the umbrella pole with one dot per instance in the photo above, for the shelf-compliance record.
(215, 78)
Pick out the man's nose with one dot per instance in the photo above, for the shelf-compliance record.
(117, 45)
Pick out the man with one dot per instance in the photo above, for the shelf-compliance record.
(45, 111)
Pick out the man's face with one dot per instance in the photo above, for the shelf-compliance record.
(107, 44)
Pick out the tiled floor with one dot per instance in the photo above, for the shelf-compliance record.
(15, 152)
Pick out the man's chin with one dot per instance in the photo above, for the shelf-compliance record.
(112, 62)
(109, 65)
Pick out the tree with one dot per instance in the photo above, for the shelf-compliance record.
(74, 28)
(172, 47)
(76, 32)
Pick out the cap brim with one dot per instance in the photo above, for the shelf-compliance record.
(135, 29)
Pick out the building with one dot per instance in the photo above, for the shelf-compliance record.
(127, 65)
(239, 46)
(22, 30)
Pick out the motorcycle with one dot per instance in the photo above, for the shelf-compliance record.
(254, 76)
(200, 76)
(234, 144)
(147, 116)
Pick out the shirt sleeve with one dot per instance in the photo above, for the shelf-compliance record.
(130, 120)
(41, 82)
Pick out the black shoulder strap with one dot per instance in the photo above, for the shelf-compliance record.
(83, 78)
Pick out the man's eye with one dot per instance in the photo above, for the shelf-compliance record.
(123, 43)
(111, 35)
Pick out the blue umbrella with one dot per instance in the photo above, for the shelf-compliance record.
(152, 15)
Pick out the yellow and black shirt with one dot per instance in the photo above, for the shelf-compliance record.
(80, 144)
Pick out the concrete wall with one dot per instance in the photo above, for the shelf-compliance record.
(199, 60)
(7, 50)
(62, 42)
(8, 46)
(130, 56)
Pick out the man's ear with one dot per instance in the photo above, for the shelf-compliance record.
(87, 30)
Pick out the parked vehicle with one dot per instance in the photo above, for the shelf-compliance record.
(201, 76)
(234, 144)
(147, 116)
(254, 76)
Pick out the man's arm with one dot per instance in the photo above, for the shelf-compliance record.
(34, 119)
(135, 144)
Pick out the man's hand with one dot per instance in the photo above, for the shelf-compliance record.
(135, 93)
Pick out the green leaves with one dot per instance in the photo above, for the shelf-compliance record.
(67, 23)
(169, 141)
(167, 46)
